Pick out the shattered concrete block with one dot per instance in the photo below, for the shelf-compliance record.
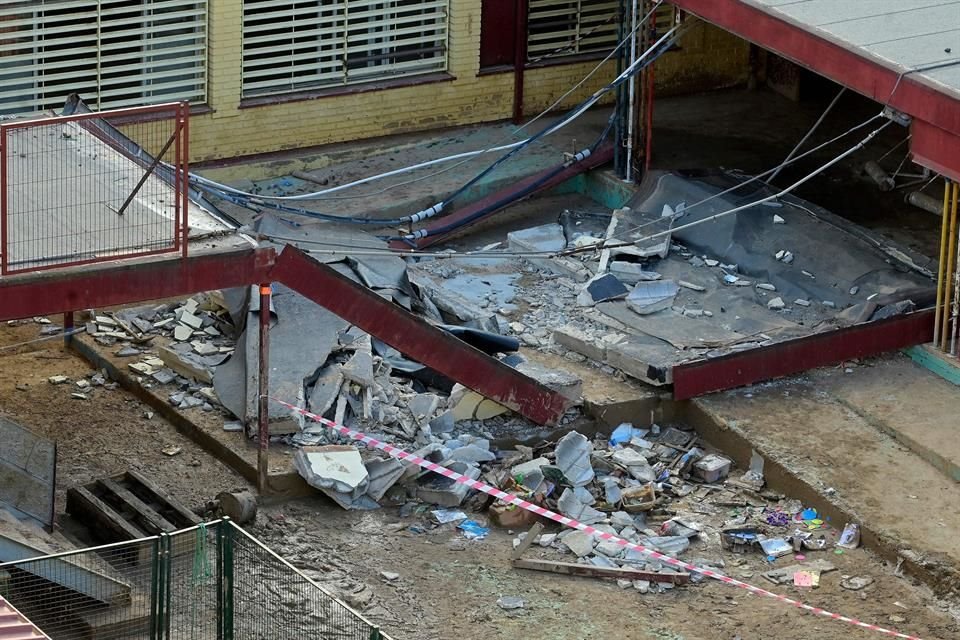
(203, 348)
(573, 458)
(334, 467)
(472, 453)
(191, 320)
(57, 379)
(142, 368)
(529, 473)
(563, 382)
(690, 285)
(601, 288)
(443, 491)
(383, 474)
(766, 286)
(359, 368)
(164, 376)
(776, 303)
(609, 548)
(650, 297)
(443, 423)
(326, 389)
(184, 366)
(632, 272)
(579, 542)
(182, 333)
(570, 505)
(424, 405)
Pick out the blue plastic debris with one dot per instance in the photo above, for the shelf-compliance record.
(624, 433)
(472, 530)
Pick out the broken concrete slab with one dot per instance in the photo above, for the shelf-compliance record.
(601, 288)
(579, 542)
(359, 368)
(182, 333)
(383, 474)
(192, 321)
(529, 473)
(567, 384)
(443, 491)
(333, 467)
(443, 423)
(472, 453)
(326, 389)
(577, 340)
(632, 272)
(653, 296)
(573, 458)
(424, 405)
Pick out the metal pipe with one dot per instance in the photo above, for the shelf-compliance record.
(952, 239)
(263, 412)
(519, 58)
(879, 176)
(923, 201)
(942, 263)
(632, 91)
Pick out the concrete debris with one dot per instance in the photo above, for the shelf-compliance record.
(766, 286)
(182, 333)
(573, 458)
(776, 304)
(568, 384)
(650, 297)
(690, 285)
(58, 379)
(333, 468)
(579, 542)
(601, 288)
(632, 272)
(778, 219)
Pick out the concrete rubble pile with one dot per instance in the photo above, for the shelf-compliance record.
(656, 487)
(178, 344)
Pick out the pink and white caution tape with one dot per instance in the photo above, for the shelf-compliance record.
(509, 498)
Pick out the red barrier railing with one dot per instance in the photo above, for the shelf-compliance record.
(92, 187)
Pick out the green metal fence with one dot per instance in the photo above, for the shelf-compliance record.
(210, 582)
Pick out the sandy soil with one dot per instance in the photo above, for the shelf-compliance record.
(103, 435)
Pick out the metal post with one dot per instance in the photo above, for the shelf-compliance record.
(519, 58)
(948, 291)
(634, 8)
(4, 211)
(648, 134)
(185, 163)
(263, 416)
(942, 264)
(225, 579)
(155, 591)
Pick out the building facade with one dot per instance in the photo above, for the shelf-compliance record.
(270, 75)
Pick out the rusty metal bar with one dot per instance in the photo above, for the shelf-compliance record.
(263, 386)
(418, 339)
(147, 172)
(795, 356)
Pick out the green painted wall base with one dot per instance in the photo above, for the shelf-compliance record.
(939, 363)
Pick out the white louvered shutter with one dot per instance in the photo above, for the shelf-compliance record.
(292, 46)
(114, 53)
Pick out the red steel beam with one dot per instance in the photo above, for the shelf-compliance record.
(505, 197)
(417, 339)
(109, 284)
(795, 356)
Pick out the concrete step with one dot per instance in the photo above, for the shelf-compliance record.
(835, 458)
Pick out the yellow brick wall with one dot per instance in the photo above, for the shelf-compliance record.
(231, 131)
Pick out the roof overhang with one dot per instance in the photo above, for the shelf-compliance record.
(935, 109)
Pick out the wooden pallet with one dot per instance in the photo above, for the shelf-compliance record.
(128, 506)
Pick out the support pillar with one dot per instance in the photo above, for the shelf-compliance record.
(263, 411)
(68, 325)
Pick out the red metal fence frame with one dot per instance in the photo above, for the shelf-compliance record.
(180, 111)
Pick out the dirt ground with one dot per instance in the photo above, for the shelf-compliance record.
(105, 434)
(448, 586)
